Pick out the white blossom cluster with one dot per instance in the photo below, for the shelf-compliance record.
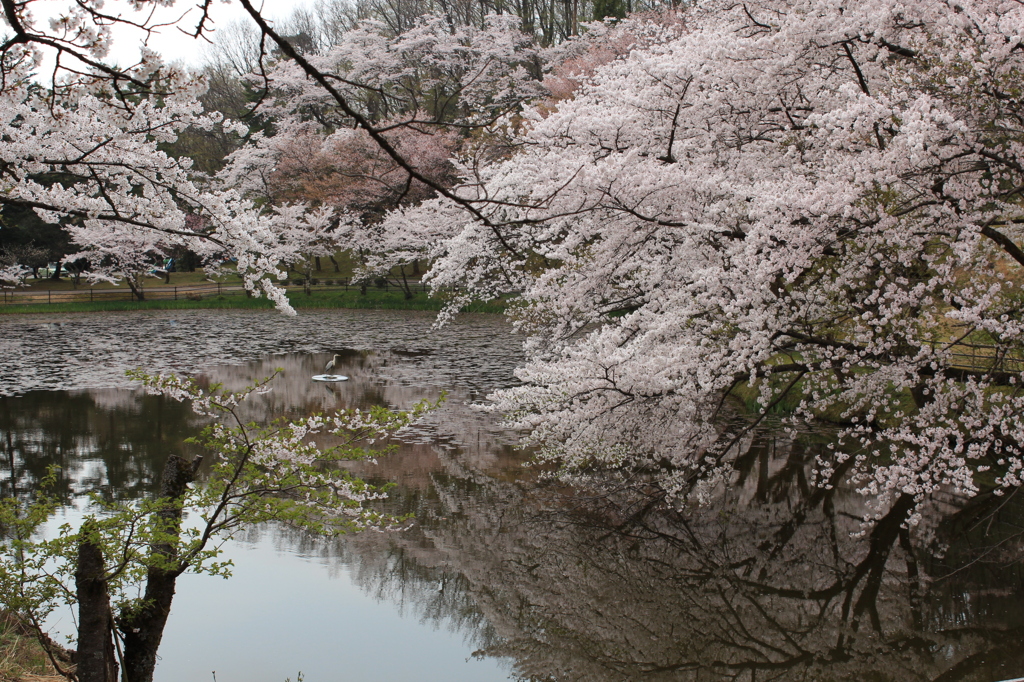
(278, 471)
(816, 201)
(88, 153)
(433, 71)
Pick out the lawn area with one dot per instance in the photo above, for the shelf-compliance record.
(177, 278)
(198, 276)
(346, 267)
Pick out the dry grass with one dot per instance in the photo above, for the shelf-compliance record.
(22, 659)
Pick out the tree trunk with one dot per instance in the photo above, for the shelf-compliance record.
(406, 289)
(142, 629)
(337, 268)
(135, 287)
(96, 659)
(56, 271)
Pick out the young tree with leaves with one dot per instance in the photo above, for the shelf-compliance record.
(121, 566)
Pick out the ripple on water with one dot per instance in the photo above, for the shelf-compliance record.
(93, 350)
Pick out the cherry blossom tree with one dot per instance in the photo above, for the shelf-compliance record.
(347, 172)
(87, 152)
(816, 203)
(14, 274)
(430, 73)
(382, 133)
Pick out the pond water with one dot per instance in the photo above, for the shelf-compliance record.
(503, 576)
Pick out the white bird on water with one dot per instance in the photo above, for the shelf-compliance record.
(332, 363)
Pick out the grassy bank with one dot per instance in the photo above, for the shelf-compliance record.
(351, 298)
(22, 659)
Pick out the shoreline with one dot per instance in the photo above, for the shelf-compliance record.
(374, 299)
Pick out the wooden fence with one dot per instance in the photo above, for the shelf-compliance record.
(175, 293)
(983, 357)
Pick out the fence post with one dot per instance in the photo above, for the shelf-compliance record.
(90, 295)
(175, 293)
(218, 288)
(48, 292)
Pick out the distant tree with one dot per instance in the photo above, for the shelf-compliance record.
(431, 73)
(615, 9)
(345, 170)
(21, 259)
(39, 241)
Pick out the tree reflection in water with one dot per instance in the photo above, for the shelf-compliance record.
(111, 441)
(774, 581)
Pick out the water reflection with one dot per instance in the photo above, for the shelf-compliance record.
(111, 441)
(91, 350)
(775, 581)
(613, 584)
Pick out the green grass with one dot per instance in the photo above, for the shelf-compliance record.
(351, 298)
(180, 279)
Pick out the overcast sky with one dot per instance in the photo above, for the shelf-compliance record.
(172, 43)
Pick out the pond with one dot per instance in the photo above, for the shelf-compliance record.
(504, 575)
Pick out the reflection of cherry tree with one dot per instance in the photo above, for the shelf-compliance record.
(776, 582)
(615, 584)
(394, 379)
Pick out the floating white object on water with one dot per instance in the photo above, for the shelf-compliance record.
(330, 377)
